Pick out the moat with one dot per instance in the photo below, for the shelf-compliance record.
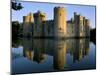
(49, 55)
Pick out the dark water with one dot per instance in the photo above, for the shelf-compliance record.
(47, 55)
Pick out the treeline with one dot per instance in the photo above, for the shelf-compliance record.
(17, 29)
(93, 35)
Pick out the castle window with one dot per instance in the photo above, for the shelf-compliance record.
(60, 14)
(59, 28)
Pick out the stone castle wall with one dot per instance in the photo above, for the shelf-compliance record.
(39, 18)
(36, 25)
(28, 25)
(60, 25)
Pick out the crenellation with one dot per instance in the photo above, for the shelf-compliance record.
(36, 23)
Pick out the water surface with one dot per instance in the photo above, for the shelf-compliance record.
(47, 55)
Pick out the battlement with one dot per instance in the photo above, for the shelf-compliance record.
(28, 18)
(59, 8)
(57, 27)
(39, 13)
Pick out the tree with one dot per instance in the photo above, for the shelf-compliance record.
(16, 6)
(15, 29)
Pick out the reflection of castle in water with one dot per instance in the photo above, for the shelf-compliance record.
(81, 48)
(59, 54)
(36, 50)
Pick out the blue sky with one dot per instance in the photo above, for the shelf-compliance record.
(84, 10)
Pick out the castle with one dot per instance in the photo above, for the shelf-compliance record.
(36, 25)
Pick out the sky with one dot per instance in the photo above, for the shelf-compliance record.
(85, 10)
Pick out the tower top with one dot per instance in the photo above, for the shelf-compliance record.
(75, 13)
(39, 13)
(56, 8)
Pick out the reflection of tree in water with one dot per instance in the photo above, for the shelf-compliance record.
(16, 42)
(93, 40)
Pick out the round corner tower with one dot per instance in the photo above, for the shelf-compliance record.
(25, 19)
(39, 19)
(28, 21)
(60, 27)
